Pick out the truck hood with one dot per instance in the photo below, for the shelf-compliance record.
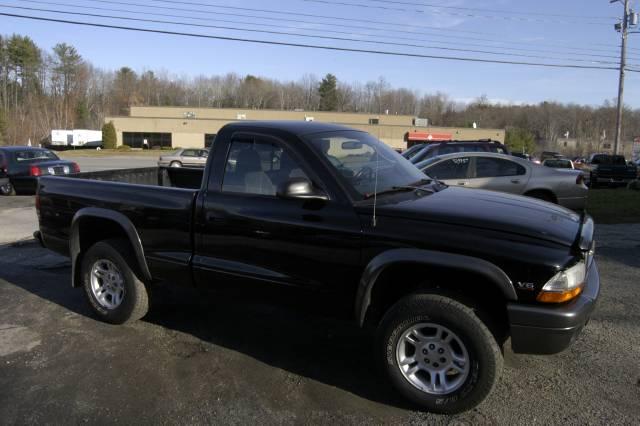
(492, 210)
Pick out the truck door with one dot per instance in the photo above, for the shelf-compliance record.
(248, 238)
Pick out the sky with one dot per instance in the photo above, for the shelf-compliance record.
(576, 32)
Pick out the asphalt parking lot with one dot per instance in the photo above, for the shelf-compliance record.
(197, 359)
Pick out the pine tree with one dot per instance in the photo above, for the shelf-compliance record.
(109, 137)
(328, 91)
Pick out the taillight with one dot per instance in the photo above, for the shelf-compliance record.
(76, 168)
(35, 171)
(580, 179)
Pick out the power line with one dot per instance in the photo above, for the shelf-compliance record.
(280, 12)
(295, 34)
(308, 46)
(461, 13)
(476, 9)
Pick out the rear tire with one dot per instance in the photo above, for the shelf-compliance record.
(111, 285)
(7, 189)
(465, 368)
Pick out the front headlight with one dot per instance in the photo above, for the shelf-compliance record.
(565, 285)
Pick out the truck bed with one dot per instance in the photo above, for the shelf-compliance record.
(158, 202)
(189, 178)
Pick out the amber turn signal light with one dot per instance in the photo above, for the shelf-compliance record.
(559, 296)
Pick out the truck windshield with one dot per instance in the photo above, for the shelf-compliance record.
(358, 157)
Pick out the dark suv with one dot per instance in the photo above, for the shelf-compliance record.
(430, 150)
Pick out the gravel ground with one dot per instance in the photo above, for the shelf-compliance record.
(200, 360)
(18, 218)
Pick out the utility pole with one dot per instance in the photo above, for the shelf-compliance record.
(624, 28)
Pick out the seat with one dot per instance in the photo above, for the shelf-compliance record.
(249, 176)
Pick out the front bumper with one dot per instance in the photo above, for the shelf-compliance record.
(544, 329)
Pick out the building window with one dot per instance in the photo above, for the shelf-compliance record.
(147, 140)
(374, 121)
(208, 139)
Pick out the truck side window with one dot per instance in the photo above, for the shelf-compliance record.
(258, 168)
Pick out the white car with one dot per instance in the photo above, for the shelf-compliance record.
(558, 163)
(506, 173)
(191, 157)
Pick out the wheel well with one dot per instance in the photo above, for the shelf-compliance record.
(545, 192)
(92, 230)
(474, 290)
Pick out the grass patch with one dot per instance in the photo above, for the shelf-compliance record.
(618, 205)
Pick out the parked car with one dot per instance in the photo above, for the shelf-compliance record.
(331, 219)
(184, 158)
(611, 170)
(506, 173)
(521, 155)
(21, 166)
(546, 155)
(442, 148)
(409, 153)
(558, 163)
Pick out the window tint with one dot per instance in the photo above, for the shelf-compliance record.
(455, 168)
(190, 153)
(256, 167)
(204, 153)
(34, 155)
(473, 148)
(153, 140)
(448, 149)
(618, 160)
(495, 167)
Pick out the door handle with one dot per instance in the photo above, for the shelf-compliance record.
(462, 183)
(515, 180)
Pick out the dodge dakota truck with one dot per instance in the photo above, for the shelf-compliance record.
(330, 217)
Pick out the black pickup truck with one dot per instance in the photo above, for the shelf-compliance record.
(610, 170)
(332, 218)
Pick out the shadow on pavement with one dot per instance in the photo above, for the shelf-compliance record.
(331, 352)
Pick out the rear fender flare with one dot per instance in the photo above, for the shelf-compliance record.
(427, 258)
(75, 246)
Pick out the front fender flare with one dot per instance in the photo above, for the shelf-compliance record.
(127, 226)
(428, 258)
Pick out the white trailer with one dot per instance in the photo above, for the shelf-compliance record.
(76, 138)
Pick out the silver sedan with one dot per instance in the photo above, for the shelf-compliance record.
(506, 173)
(188, 157)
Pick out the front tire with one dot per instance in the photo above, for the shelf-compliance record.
(438, 353)
(113, 290)
(175, 164)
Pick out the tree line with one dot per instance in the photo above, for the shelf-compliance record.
(42, 90)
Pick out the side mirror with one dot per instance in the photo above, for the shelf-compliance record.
(300, 189)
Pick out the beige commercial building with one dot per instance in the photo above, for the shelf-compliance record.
(196, 127)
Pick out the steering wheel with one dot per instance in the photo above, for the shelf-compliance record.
(365, 173)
